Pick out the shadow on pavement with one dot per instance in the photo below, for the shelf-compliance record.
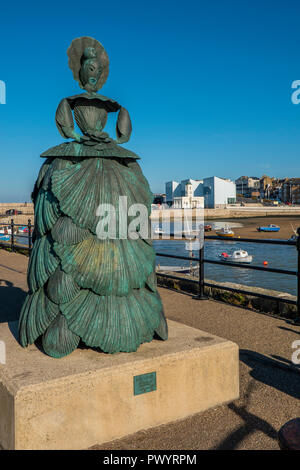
(11, 300)
(279, 374)
(289, 329)
(251, 424)
(276, 372)
(287, 364)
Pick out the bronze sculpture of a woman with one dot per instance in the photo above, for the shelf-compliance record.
(101, 291)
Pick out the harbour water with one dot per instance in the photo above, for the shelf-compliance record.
(277, 256)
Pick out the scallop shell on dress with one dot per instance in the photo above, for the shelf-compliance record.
(67, 233)
(61, 287)
(114, 323)
(90, 117)
(37, 313)
(58, 340)
(42, 264)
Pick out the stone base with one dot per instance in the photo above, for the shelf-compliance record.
(88, 397)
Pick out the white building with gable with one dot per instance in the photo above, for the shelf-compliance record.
(213, 192)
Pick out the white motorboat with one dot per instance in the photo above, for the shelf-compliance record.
(5, 230)
(177, 269)
(239, 256)
(159, 231)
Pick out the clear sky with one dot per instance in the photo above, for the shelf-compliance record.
(207, 84)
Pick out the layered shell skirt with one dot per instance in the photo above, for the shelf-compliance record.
(102, 292)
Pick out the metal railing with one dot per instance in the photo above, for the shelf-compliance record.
(9, 232)
(202, 260)
(11, 242)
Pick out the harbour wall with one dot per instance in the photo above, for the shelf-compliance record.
(227, 213)
(27, 213)
(172, 214)
(216, 290)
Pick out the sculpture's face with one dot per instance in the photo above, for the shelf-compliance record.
(90, 73)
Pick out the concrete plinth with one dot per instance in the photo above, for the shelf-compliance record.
(88, 397)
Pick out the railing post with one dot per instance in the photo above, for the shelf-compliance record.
(12, 236)
(29, 235)
(298, 276)
(201, 295)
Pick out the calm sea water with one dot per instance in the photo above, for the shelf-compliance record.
(278, 256)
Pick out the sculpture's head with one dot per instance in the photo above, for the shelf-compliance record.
(89, 62)
(90, 70)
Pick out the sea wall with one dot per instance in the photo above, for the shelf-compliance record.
(228, 213)
(209, 214)
(24, 207)
(27, 213)
(216, 290)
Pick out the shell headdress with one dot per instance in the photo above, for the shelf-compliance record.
(75, 53)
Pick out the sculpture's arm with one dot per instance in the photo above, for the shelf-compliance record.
(124, 127)
(65, 122)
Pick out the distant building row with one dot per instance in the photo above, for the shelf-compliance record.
(215, 192)
(286, 190)
(210, 192)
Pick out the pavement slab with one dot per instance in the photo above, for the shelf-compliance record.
(269, 382)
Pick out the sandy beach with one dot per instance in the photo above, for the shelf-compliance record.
(249, 227)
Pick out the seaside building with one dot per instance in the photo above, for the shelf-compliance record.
(218, 192)
(247, 186)
(261, 188)
(186, 189)
(268, 188)
(213, 192)
(173, 189)
(265, 187)
(189, 199)
(277, 187)
(291, 191)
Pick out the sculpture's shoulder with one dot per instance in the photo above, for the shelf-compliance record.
(109, 103)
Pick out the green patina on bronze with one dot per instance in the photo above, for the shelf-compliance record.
(144, 383)
(102, 292)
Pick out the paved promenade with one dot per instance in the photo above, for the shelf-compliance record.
(270, 384)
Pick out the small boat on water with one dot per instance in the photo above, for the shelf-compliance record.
(159, 231)
(5, 230)
(225, 232)
(269, 228)
(239, 256)
(176, 269)
(23, 229)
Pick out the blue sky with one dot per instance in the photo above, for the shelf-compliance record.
(207, 84)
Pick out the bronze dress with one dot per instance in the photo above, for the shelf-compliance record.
(100, 291)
